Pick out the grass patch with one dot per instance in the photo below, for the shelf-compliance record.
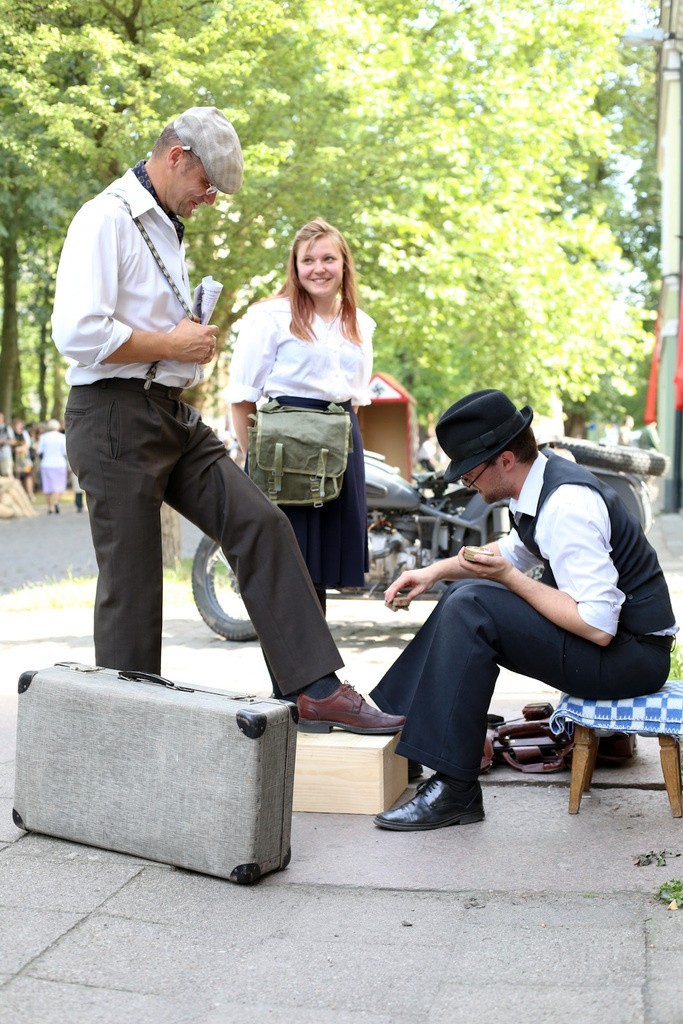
(79, 592)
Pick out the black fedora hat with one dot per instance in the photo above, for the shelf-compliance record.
(478, 427)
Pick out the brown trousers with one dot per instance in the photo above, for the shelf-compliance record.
(132, 450)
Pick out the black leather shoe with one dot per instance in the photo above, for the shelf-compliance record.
(435, 805)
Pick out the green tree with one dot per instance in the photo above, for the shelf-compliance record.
(467, 151)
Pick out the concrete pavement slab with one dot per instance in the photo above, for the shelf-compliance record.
(32, 932)
(60, 851)
(9, 833)
(48, 1002)
(37, 883)
(463, 1004)
(6, 780)
(368, 969)
(260, 1013)
(527, 841)
(663, 1001)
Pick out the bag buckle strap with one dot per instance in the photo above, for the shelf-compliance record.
(318, 481)
(275, 481)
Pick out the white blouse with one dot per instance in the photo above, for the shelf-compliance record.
(269, 360)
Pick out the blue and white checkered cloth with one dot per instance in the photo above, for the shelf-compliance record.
(654, 713)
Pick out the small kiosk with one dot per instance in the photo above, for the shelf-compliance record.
(389, 424)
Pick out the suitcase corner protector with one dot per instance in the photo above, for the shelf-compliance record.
(25, 680)
(18, 820)
(252, 724)
(245, 874)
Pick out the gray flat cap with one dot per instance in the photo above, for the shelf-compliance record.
(214, 140)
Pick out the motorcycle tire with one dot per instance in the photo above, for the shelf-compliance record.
(217, 594)
(622, 458)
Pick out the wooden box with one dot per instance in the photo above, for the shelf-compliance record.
(345, 773)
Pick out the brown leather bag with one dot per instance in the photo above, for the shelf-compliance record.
(617, 748)
(529, 745)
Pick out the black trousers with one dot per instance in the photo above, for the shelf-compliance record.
(444, 679)
(132, 450)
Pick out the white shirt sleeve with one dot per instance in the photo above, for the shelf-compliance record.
(83, 323)
(253, 356)
(512, 548)
(573, 532)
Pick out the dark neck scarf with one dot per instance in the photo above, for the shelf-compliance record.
(140, 172)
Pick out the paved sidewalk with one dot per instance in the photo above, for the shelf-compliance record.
(510, 917)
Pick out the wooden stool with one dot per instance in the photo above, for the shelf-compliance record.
(656, 714)
(583, 762)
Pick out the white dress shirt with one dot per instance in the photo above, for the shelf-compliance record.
(573, 532)
(269, 360)
(108, 284)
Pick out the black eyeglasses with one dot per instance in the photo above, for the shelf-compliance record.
(212, 189)
(472, 482)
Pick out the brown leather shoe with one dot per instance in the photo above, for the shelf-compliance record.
(344, 709)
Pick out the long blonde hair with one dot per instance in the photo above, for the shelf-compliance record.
(301, 302)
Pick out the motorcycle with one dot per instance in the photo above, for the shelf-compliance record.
(412, 524)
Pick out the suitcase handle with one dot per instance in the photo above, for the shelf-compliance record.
(151, 677)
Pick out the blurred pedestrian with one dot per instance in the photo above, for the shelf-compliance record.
(625, 430)
(23, 465)
(6, 439)
(23, 455)
(649, 437)
(53, 464)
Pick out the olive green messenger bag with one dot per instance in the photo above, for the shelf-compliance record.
(298, 456)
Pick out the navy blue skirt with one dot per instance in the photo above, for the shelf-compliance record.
(334, 538)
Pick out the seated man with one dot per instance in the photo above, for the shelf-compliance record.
(598, 624)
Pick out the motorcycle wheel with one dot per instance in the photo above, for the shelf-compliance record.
(622, 458)
(217, 594)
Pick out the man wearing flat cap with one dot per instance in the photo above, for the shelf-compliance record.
(598, 624)
(123, 315)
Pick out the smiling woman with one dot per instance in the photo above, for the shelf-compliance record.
(310, 345)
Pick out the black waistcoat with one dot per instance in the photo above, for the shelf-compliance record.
(647, 607)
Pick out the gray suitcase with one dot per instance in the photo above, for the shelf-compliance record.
(131, 762)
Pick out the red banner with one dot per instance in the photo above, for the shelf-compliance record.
(678, 376)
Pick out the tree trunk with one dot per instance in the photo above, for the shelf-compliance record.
(575, 425)
(170, 537)
(9, 336)
(42, 372)
(57, 388)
